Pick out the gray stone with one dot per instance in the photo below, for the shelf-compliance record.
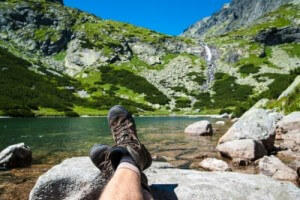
(277, 116)
(290, 122)
(245, 149)
(213, 164)
(254, 124)
(295, 165)
(73, 179)
(275, 36)
(200, 128)
(288, 130)
(273, 167)
(78, 179)
(17, 155)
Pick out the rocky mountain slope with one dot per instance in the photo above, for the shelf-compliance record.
(233, 15)
(57, 60)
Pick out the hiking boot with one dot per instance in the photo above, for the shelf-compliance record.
(99, 155)
(123, 129)
(144, 182)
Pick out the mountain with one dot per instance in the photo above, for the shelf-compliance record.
(233, 15)
(57, 60)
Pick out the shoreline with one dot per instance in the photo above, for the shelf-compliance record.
(90, 116)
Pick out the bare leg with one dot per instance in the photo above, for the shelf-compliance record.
(124, 185)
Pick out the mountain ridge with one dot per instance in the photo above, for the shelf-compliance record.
(233, 15)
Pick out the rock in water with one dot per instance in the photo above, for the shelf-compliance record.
(214, 164)
(17, 155)
(244, 149)
(79, 179)
(255, 124)
(221, 123)
(201, 128)
(272, 166)
(75, 178)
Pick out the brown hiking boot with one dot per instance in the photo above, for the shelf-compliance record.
(123, 129)
(99, 155)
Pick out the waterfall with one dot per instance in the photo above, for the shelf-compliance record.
(208, 53)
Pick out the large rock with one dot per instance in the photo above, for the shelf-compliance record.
(295, 165)
(276, 36)
(290, 122)
(17, 155)
(213, 164)
(76, 178)
(255, 124)
(273, 167)
(288, 130)
(200, 128)
(245, 149)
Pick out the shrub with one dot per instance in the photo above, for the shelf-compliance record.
(279, 84)
(131, 81)
(22, 90)
(183, 103)
(229, 93)
(249, 69)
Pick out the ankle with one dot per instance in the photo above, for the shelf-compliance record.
(128, 163)
(130, 166)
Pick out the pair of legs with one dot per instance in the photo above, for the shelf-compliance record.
(122, 165)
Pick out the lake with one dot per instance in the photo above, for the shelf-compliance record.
(55, 139)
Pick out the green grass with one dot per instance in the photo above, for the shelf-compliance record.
(48, 112)
(89, 111)
(293, 49)
(60, 56)
(288, 104)
(43, 33)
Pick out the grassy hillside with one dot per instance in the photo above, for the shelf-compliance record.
(57, 60)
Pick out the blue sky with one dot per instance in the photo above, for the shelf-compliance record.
(165, 16)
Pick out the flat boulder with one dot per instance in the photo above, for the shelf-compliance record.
(75, 178)
(79, 179)
(213, 164)
(255, 124)
(200, 128)
(273, 167)
(243, 149)
(17, 155)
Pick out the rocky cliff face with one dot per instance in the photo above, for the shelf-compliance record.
(234, 15)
